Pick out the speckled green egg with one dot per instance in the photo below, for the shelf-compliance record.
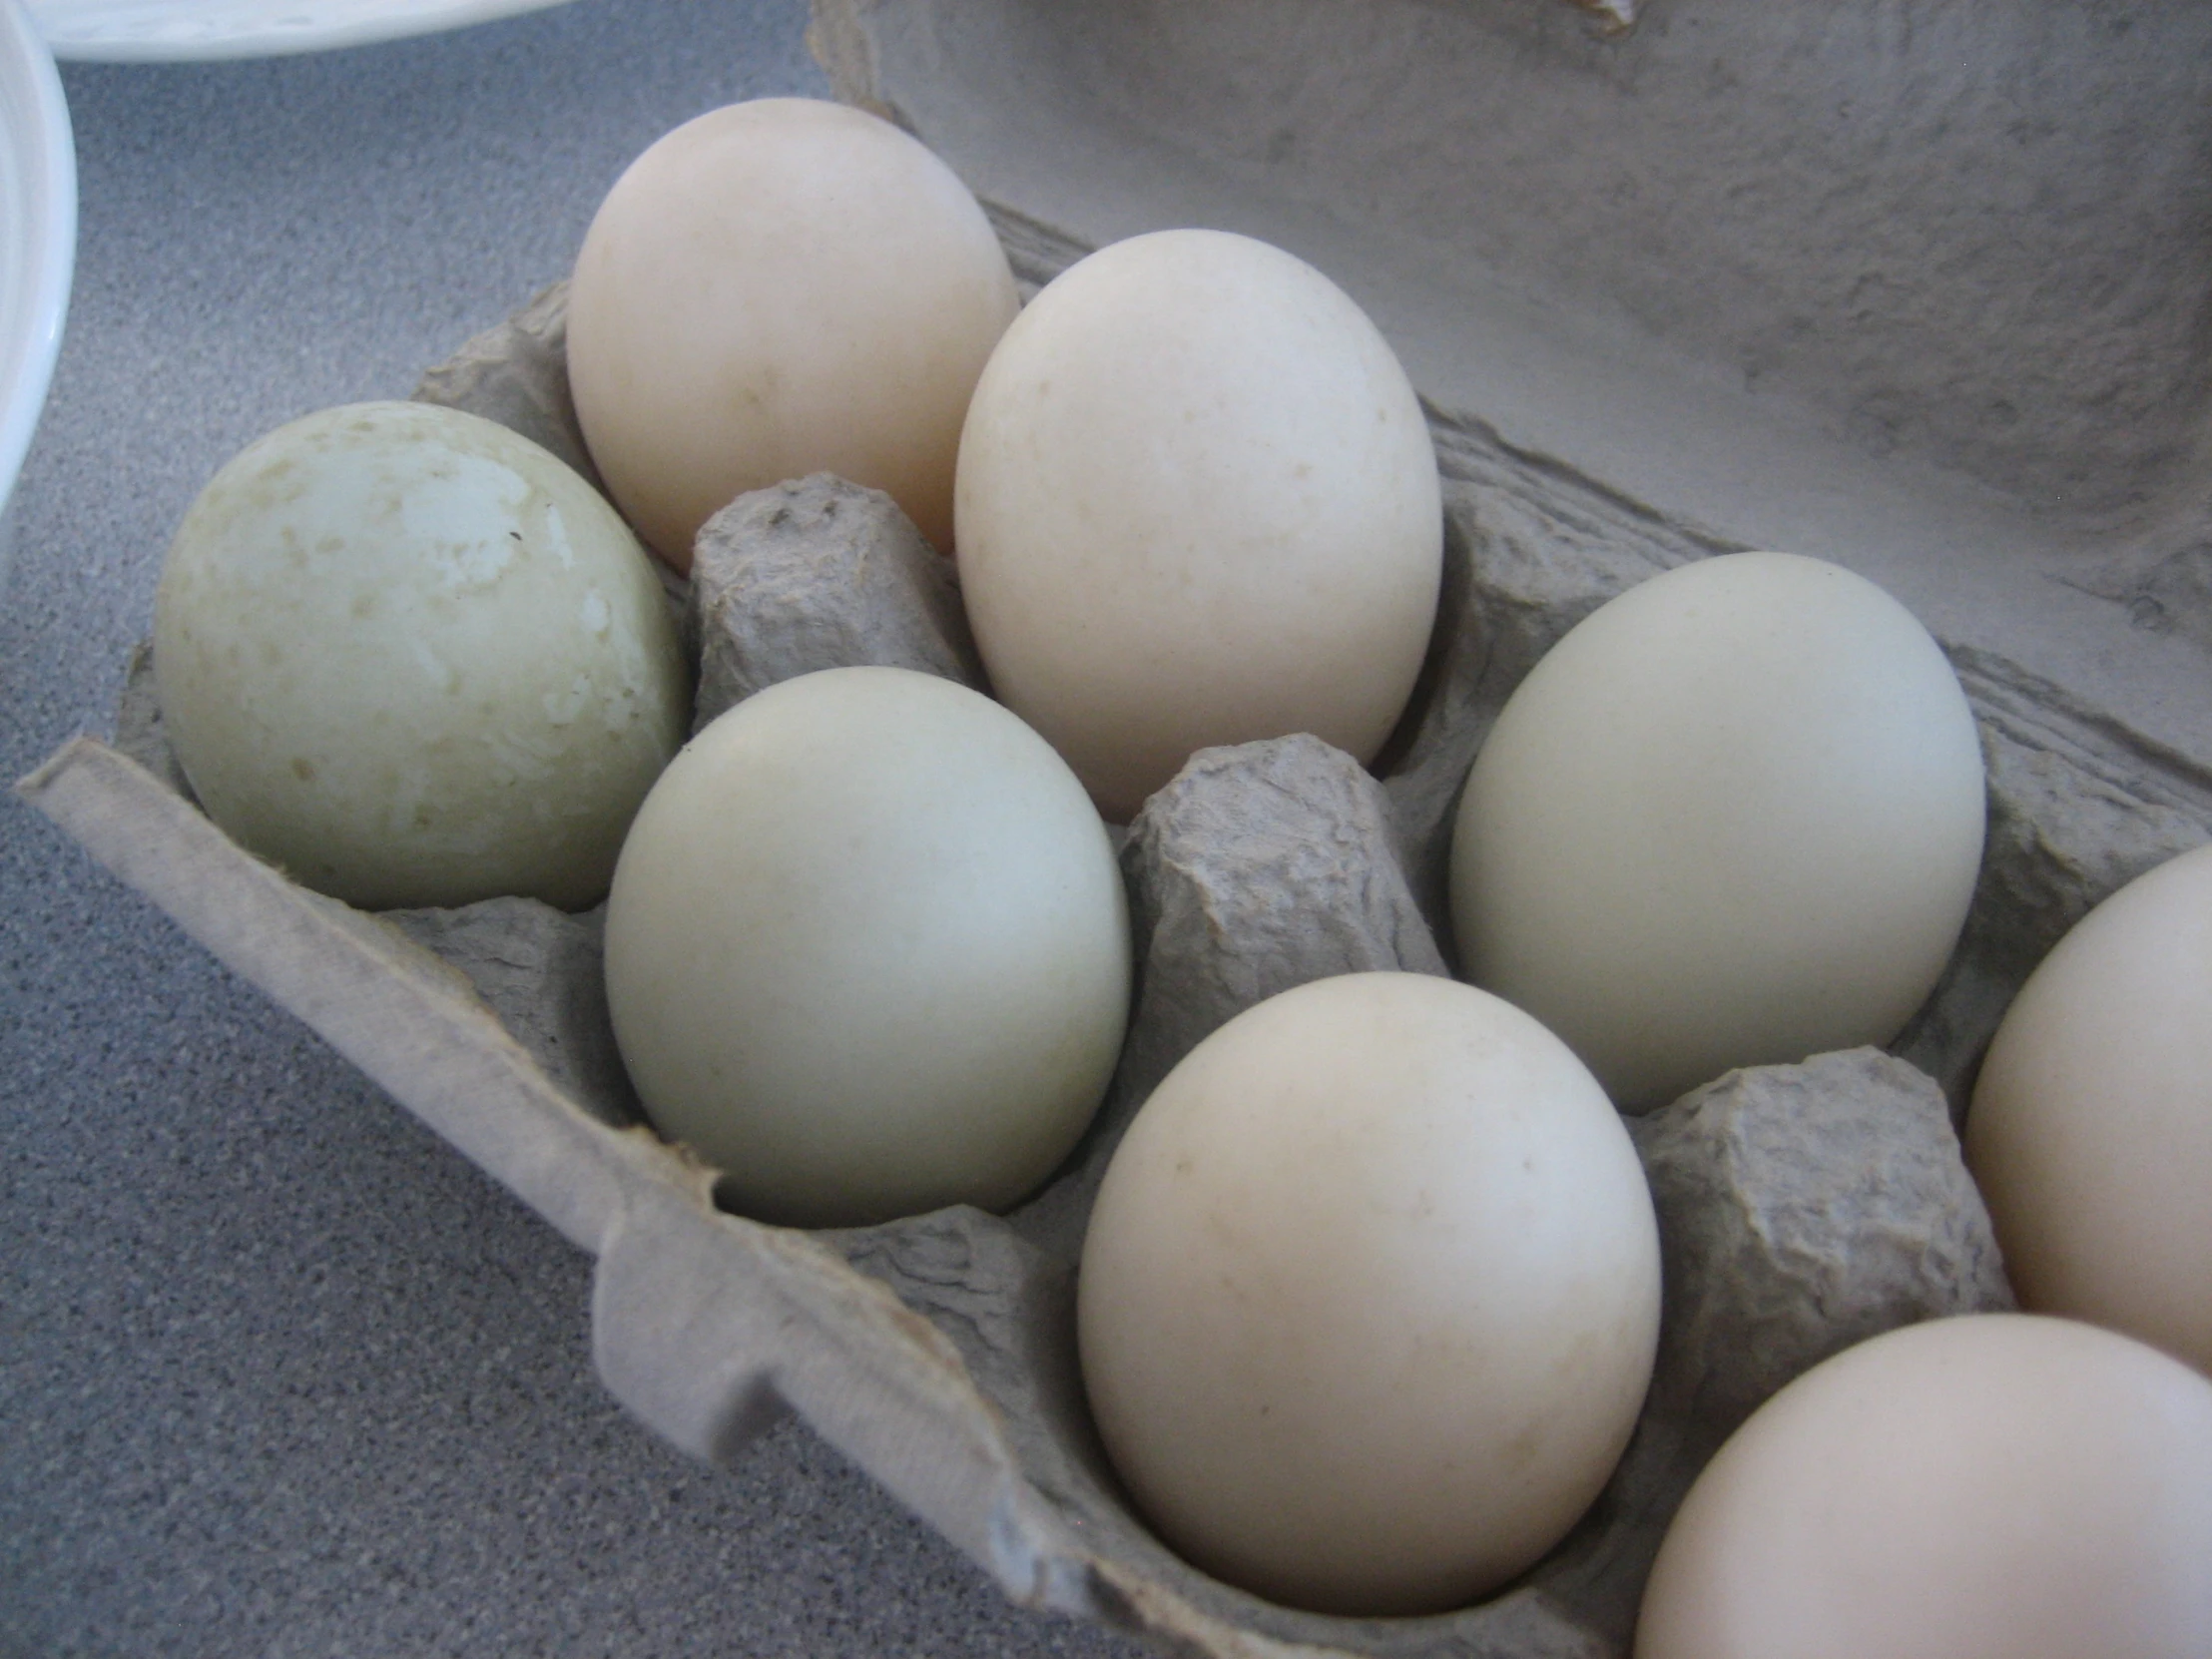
(413, 659)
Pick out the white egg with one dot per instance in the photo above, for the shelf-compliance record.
(1370, 1296)
(1996, 1486)
(1734, 817)
(775, 288)
(2092, 1128)
(1197, 504)
(414, 659)
(867, 950)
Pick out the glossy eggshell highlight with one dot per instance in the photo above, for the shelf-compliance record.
(1198, 505)
(1734, 817)
(1994, 1487)
(2091, 1134)
(414, 659)
(1369, 1297)
(776, 289)
(867, 950)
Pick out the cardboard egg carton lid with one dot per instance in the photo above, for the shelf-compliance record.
(1920, 292)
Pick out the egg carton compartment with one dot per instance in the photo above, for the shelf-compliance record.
(1802, 1208)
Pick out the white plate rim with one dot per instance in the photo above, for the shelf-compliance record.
(184, 31)
(39, 150)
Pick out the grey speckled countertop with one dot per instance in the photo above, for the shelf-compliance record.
(278, 1373)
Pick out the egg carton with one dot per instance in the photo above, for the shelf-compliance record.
(938, 1351)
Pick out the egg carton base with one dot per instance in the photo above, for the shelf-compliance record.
(938, 1351)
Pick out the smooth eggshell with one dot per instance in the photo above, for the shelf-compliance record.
(414, 659)
(1198, 505)
(2092, 1129)
(867, 950)
(1734, 817)
(1370, 1296)
(1994, 1487)
(777, 289)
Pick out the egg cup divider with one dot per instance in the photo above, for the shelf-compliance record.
(937, 1351)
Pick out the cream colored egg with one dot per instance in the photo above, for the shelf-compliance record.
(2092, 1129)
(1198, 505)
(776, 289)
(1369, 1297)
(414, 659)
(867, 950)
(1734, 817)
(1996, 1487)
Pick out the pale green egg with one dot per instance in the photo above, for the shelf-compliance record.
(413, 659)
(868, 951)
